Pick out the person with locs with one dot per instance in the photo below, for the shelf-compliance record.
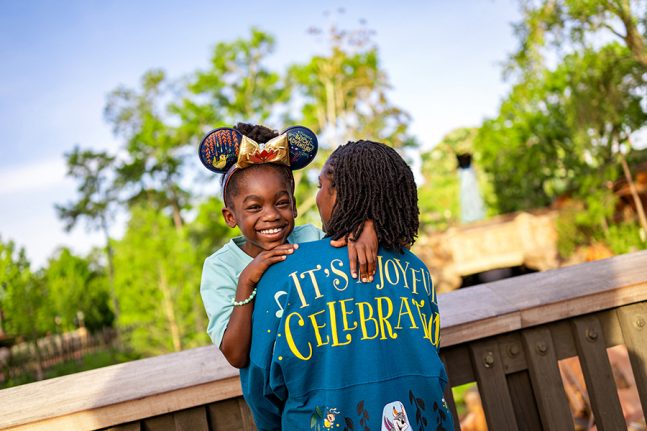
(328, 351)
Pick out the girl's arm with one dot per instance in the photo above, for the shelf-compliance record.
(236, 340)
(362, 252)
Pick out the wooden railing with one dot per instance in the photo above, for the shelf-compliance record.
(507, 336)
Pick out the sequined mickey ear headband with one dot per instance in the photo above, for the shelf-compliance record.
(226, 150)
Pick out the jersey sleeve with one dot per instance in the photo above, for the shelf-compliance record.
(217, 288)
(261, 381)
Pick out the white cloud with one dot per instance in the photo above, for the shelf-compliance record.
(38, 176)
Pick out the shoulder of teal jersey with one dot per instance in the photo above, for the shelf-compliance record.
(305, 233)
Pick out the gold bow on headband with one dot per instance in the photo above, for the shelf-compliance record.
(273, 151)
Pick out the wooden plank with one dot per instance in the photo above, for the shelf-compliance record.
(492, 385)
(610, 327)
(247, 419)
(512, 353)
(112, 385)
(523, 401)
(576, 290)
(159, 423)
(451, 403)
(225, 416)
(449, 397)
(546, 380)
(458, 364)
(562, 335)
(137, 409)
(600, 384)
(490, 315)
(133, 426)
(633, 321)
(512, 304)
(191, 420)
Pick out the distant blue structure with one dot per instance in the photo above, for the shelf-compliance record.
(472, 208)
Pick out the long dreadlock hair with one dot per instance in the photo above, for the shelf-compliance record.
(373, 182)
(260, 134)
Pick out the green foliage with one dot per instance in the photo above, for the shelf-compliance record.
(589, 222)
(96, 195)
(23, 296)
(562, 133)
(554, 28)
(96, 203)
(76, 285)
(152, 168)
(157, 278)
(344, 93)
(238, 86)
(208, 231)
(625, 237)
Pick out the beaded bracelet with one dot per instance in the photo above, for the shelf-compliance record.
(244, 301)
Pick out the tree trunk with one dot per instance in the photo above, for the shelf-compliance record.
(1, 329)
(167, 304)
(633, 38)
(634, 194)
(111, 269)
(177, 217)
(40, 375)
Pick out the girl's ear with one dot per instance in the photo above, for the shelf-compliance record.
(229, 217)
(294, 207)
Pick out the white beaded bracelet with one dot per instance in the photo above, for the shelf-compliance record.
(244, 301)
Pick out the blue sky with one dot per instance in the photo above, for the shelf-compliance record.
(61, 59)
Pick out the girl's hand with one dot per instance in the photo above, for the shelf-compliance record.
(252, 274)
(236, 340)
(362, 253)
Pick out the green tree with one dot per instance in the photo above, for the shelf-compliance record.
(237, 87)
(207, 231)
(152, 168)
(343, 95)
(554, 28)
(78, 285)
(345, 92)
(23, 298)
(96, 203)
(157, 278)
(563, 132)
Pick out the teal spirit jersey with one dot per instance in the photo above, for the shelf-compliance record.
(331, 353)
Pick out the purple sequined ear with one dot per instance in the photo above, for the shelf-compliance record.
(218, 150)
(303, 146)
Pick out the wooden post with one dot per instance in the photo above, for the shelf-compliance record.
(633, 321)
(546, 380)
(493, 386)
(601, 387)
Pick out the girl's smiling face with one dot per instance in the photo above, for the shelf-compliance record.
(327, 194)
(262, 208)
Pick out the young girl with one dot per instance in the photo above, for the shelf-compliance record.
(258, 191)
